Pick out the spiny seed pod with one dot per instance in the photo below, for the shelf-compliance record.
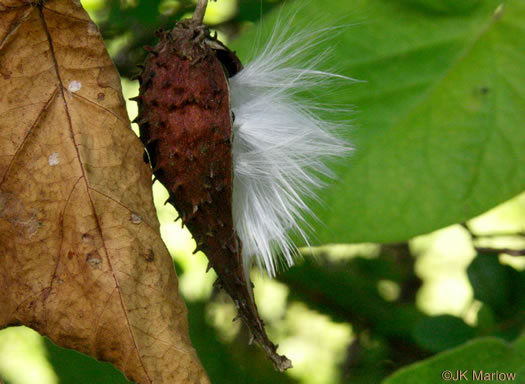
(236, 149)
(186, 126)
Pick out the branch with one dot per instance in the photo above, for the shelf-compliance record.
(508, 251)
(200, 10)
(495, 234)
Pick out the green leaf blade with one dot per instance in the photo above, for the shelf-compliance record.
(440, 122)
(489, 355)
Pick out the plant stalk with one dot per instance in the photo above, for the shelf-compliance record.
(198, 15)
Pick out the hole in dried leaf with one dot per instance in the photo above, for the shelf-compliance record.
(74, 86)
(94, 260)
(135, 219)
(92, 28)
(53, 159)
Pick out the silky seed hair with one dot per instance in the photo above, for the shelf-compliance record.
(281, 145)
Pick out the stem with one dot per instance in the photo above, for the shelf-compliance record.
(476, 236)
(198, 15)
(507, 251)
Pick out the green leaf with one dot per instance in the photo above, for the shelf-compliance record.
(443, 6)
(440, 123)
(490, 281)
(74, 367)
(499, 286)
(490, 355)
(486, 320)
(436, 334)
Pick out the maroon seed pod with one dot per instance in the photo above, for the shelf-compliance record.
(186, 126)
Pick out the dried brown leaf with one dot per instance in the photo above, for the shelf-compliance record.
(81, 259)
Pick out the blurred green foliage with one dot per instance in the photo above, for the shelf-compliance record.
(136, 22)
(439, 139)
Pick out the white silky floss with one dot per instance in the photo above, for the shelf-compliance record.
(280, 147)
